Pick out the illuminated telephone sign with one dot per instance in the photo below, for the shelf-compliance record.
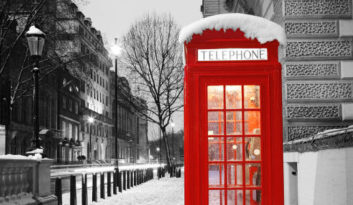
(233, 118)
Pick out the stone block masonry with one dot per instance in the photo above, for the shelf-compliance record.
(317, 68)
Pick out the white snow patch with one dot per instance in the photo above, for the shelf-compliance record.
(34, 30)
(323, 135)
(36, 151)
(20, 157)
(253, 27)
(14, 157)
(37, 154)
(33, 155)
(166, 191)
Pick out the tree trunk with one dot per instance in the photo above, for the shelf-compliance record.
(166, 144)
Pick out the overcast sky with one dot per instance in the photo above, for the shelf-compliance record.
(114, 17)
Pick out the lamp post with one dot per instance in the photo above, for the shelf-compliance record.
(158, 150)
(36, 40)
(90, 121)
(116, 51)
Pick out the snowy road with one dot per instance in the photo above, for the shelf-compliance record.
(167, 191)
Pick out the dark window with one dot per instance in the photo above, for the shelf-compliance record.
(64, 102)
(70, 105)
(76, 107)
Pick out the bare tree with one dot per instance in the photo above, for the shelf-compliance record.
(153, 57)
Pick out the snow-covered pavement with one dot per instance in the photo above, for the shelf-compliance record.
(166, 191)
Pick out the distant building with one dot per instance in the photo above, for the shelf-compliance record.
(317, 92)
(132, 124)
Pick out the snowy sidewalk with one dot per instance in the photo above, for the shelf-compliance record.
(166, 191)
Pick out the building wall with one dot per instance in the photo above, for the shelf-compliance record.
(323, 177)
(212, 7)
(317, 71)
(317, 63)
(142, 142)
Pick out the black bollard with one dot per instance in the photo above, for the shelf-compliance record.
(135, 177)
(58, 191)
(128, 180)
(124, 180)
(119, 182)
(94, 188)
(73, 196)
(84, 190)
(132, 178)
(140, 176)
(109, 184)
(102, 186)
(115, 182)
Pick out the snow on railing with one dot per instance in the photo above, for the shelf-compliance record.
(99, 169)
(322, 135)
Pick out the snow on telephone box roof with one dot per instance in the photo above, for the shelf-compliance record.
(252, 26)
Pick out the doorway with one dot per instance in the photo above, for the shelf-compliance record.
(234, 144)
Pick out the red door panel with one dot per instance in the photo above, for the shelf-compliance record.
(232, 135)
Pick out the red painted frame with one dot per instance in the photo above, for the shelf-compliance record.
(200, 74)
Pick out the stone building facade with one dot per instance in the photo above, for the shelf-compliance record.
(78, 39)
(132, 124)
(317, 81)
(68, 117)
(317, 61)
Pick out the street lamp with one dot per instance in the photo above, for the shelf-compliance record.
(116, 51)
(36, 40)
(158, 149)
(90, 121)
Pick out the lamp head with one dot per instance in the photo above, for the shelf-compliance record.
(116, 49)
(36, 40)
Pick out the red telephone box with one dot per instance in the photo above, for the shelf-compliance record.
(233, 114)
